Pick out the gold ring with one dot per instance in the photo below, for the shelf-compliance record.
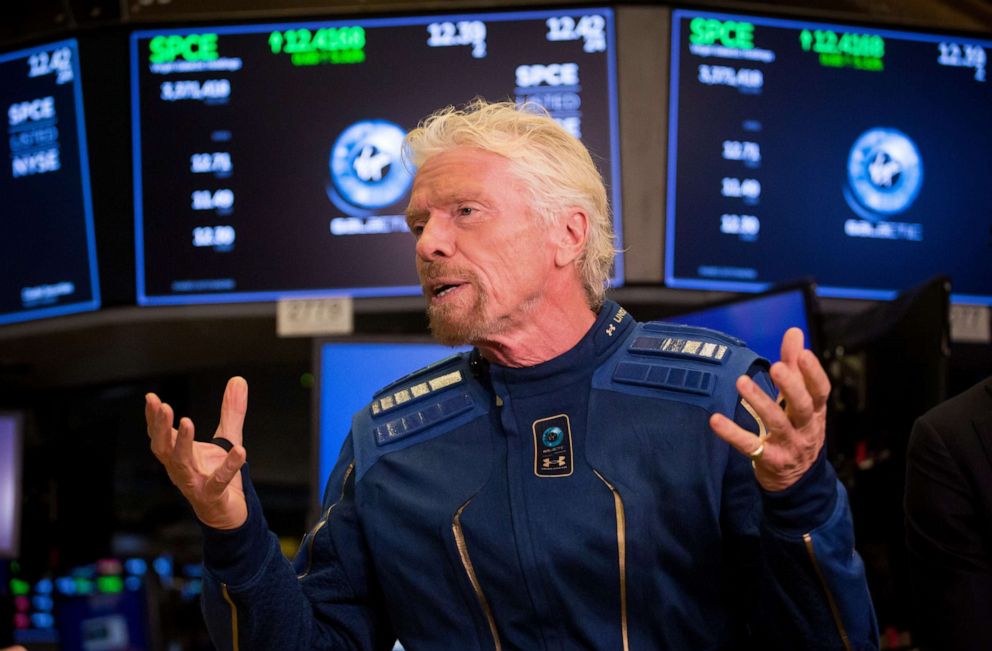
(757, 452)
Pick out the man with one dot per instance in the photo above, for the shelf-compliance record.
(557, 488)
(949, 522)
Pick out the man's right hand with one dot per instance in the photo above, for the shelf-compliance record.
(207, 476)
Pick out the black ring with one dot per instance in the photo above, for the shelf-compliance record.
(223, 443)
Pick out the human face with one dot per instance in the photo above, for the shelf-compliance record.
(482, 254)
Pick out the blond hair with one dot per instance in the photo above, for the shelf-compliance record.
(555, 167)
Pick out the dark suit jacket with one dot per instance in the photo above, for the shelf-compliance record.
(949, 521)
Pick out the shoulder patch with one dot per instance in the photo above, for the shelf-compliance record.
(681, 363)
(421, 400)
(664, 376)
(427, 370)
(688, 331)
(708, 351)
(426, 385)
(685, 342)
(418, 408)
(430, 413)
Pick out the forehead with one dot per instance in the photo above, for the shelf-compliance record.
(464, 169)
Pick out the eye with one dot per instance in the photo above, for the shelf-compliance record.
(465, 211)
(417, 229)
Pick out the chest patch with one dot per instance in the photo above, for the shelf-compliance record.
(552, 446)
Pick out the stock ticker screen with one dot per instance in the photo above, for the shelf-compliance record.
(854, 155)
(48, 247)
(267, 157)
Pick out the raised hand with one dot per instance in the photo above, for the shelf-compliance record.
(794, 435)
(207, 475)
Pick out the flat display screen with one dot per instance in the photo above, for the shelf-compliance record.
(102, 606)
(852, 155)
(349, 375)
(267, 157)
(48, 247)
(759, 320)
(10, 484)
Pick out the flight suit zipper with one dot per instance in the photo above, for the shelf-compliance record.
(834, 611)
(621, 556)
(323, 521)
(456, 530)
(234, 616)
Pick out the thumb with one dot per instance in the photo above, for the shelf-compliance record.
(233, 409)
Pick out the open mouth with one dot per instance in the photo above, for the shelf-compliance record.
(444, 289)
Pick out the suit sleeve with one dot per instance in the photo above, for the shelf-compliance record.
(802, 583)
(951, 573)
(254, 598)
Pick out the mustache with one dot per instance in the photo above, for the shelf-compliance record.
(432, 271)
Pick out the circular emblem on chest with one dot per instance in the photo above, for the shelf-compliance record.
(552, 436)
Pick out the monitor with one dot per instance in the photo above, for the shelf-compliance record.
(267, 157)
(48, 246)
(850, 154)
(102, 606)
(762, 319)
(349, 373)
(11, 440)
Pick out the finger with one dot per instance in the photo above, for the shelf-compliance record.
(152, 406)
(816, 379)
(162, 433)
(767, 409)
(233, 409)
(182, 453)
(152, 403)
(225, 472)
(792, 346)
(792, 384)
(736, 436)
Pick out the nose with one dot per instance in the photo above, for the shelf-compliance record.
(437, 240)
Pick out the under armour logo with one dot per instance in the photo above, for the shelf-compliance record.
(611, 330)
(558, 463)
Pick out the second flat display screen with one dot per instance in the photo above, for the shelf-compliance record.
(856, 156)
(267, 156)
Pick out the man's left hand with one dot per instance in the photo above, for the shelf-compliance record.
(794, 435)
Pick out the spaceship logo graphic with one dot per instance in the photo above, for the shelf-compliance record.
(367, 173)
(884, 174)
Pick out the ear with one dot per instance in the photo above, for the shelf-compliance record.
(572, 232)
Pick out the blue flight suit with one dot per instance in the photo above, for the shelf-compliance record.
(583, 503)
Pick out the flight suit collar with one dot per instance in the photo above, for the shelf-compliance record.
(607, 332)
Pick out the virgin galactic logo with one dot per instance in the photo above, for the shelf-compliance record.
(884, 174)
(367, 172)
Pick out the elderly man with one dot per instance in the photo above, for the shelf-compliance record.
(559, 487)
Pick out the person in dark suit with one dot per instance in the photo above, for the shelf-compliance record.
(948, 505)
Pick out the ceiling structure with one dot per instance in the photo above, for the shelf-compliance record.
(27, 20)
